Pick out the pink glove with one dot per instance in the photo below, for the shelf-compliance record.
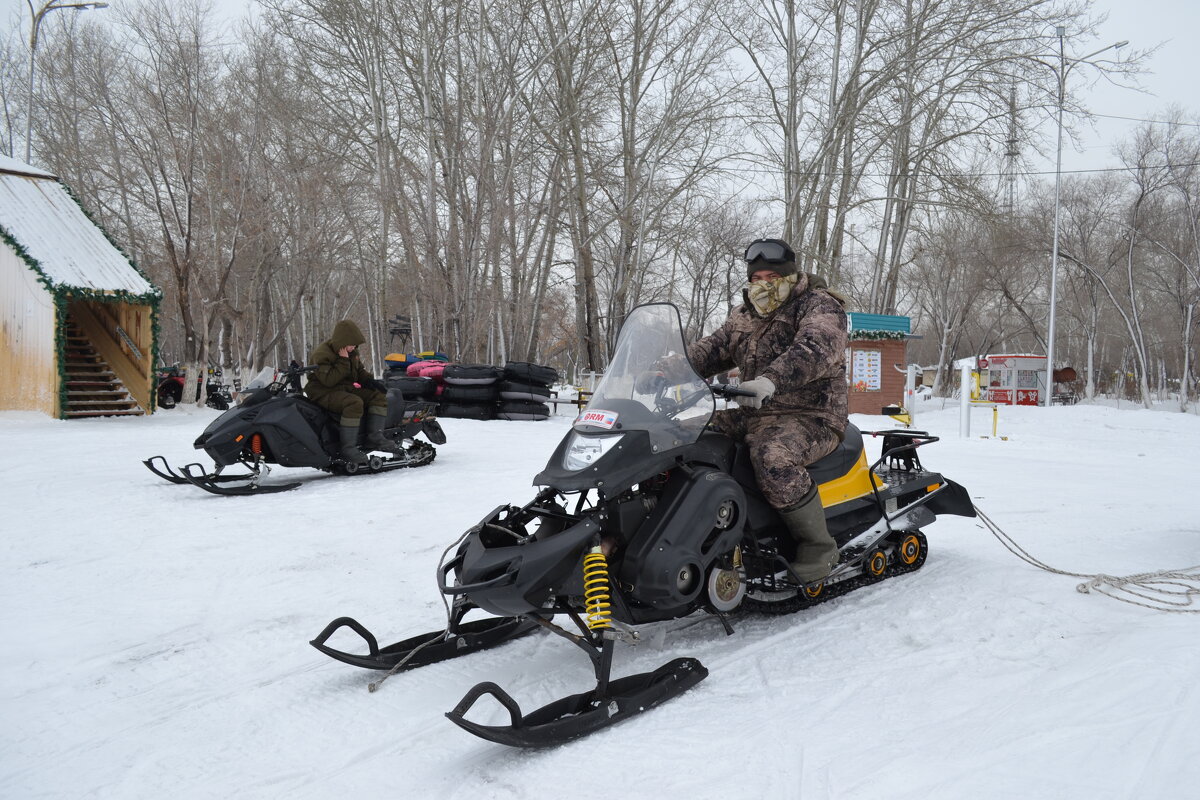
(357, 385)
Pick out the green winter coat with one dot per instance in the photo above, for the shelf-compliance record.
(335, 373)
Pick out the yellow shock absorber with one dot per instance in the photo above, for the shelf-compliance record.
(595, 589)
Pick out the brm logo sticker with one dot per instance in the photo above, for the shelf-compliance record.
(597, 419)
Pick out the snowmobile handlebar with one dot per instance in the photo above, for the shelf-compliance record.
(726, 391)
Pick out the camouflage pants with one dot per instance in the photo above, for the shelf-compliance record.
(351, 403)
(780, 445)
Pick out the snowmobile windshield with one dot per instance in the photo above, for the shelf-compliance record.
(262, 380)
(649, 384)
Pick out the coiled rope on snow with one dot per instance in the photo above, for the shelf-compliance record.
(1165, 590)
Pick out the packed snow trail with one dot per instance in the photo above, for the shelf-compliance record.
(157, 636)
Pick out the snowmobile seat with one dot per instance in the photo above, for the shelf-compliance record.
(841, 460)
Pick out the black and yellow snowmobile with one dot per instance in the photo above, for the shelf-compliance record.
(647, 515)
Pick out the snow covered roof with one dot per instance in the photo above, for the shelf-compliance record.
(8, 164)
(59, 240)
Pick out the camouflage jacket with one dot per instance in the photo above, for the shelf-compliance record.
(800, 347)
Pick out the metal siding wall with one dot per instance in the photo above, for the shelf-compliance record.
(28, 372)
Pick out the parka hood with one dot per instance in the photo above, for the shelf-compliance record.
(345, 333)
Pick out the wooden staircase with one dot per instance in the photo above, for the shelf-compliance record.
(93, 389)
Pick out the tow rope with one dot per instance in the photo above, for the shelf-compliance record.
(1165, 590)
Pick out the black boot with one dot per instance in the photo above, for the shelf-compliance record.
(375, 438)
(816, 551)
(348, 433)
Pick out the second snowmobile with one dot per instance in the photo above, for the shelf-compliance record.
(648, 515)
(274, 423)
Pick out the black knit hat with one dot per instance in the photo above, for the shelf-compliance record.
(772, 254)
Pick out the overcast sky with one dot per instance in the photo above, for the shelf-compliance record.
(1174, 76)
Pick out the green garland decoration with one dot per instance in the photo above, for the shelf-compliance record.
(878, 336)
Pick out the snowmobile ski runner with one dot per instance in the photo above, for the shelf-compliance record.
(648, 515)
(275, 424)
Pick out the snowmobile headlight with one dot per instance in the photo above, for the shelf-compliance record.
(583, 451)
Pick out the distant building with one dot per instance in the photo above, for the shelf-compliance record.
(78, 321)
(876, 361)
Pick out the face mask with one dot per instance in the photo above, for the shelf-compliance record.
(766, 296)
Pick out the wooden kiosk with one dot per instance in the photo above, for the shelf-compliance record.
(876, 360)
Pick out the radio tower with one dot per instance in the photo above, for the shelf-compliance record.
(1009, 175)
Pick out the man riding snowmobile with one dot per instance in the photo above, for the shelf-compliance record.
(342, 384)
(645, 514)
(788, 341)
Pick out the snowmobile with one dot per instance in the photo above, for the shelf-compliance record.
(648, 515)
(273, 423)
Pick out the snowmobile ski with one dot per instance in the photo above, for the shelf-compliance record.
(166, 473)
(581, 714)
(465, 638)
(211, 482)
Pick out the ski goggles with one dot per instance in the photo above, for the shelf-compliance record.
(771, 252)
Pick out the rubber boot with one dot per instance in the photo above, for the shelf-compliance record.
(375, 438)
(816, 551)
(348, 433)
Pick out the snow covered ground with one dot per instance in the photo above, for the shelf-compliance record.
(155, 637)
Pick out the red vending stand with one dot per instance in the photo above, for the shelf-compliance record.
(1014, 379)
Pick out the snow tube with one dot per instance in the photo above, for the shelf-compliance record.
(472, 374)
(515, 390)
(398, 361)
(414, 369)
(412, 388)
(432, 370)
(523, 409)
(467, 411)
(453, 393)
(433, 355)
(525, 372)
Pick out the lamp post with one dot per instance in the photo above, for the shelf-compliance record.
(1064, 68)
(38, 15)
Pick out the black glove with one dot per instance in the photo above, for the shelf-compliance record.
(377, 385)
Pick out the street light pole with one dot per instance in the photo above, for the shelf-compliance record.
(1061, 73)
(36, 24)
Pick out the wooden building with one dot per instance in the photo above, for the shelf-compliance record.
(876, 361)
(78, 320)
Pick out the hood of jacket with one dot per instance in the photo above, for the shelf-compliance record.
(345, 333)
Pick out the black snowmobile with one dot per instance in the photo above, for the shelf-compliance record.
(646, 515)
(275, 424)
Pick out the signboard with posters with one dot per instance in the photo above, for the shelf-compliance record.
(866, 370)
(1014, 379)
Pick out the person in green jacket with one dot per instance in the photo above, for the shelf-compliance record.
(344, 386)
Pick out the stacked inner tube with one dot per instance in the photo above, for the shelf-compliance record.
(524, 391)
(469, 391)
(518, 391)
